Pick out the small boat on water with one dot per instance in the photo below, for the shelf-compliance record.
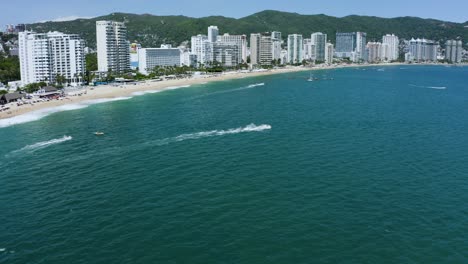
(98, 133)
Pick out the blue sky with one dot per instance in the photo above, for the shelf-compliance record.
(28, 11)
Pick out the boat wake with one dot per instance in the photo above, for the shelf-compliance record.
(429, 87)
(213, 133)
(41, 145)
(231, 91)
(39, 114)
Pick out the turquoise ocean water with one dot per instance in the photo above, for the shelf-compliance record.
(371, 167)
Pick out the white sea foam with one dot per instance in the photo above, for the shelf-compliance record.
(429, 87)
(2, 249)
(213, 133)
(43, 144)
(176, 87)
(146, 92)
(38, 114)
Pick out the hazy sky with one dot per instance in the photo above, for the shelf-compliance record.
(28, 11)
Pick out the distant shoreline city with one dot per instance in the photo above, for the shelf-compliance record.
(47, 57)
(52, 61)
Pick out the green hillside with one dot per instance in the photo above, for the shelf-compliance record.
(151, 31)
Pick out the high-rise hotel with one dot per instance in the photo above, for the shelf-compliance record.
(261, 52)
(295, 49)
(112, 47)
(453, 51)
(45, 56)
(319, 40)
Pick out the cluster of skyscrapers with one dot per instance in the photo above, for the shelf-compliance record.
(48, 56)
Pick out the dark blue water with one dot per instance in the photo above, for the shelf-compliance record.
(370, 167)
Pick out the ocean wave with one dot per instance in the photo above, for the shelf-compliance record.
(213, 133)
(176, 87)
(429, 87)
(39, 114)
(43, 144)
(146, 92)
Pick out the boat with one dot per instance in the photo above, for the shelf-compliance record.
(98, 133)
(311, 78)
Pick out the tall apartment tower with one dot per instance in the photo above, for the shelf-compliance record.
(453, 51)
(320, 41)
(261, 49)
(213, 33)
(255, 48)
(202, 48)
(235, 40)
(43, 56)
(361, 42)
(276, 45)
(309, 50)
(391, 51)
(295, 51)
(329, 52)
(112, 46)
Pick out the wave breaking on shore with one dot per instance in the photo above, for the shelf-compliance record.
(39, 114)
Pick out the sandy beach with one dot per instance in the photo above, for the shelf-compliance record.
(122, 91)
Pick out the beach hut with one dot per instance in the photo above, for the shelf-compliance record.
(10, 97)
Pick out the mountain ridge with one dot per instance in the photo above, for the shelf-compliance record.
(153, 30)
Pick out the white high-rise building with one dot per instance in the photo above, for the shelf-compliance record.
(309, 50)
(45, 56)
(149, 58)
(390, 47)
(213, 33)
(228, 50)
(276, 35)
(374, 52)
(422, 50)
(295, 45)
(329, 52)
(112, 46)
(453, 51)
(351, 45)
(238, 40)
(255, 48)
(261, 49)
(319, 40)
(202, 48)
(361, 42)
(276, 45)
(266, 55)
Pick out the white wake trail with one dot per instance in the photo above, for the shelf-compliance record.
(429, 87)
(43, 144)
(213, 133)
(230, 91)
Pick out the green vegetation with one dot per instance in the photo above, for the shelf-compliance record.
(32, 87)
(9, 69)
(152, 31)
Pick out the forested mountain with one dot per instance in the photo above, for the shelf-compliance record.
(150, 30)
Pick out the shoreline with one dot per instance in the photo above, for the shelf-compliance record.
(107, 93)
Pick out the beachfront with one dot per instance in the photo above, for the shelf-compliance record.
(110, 92)
(117, 91)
